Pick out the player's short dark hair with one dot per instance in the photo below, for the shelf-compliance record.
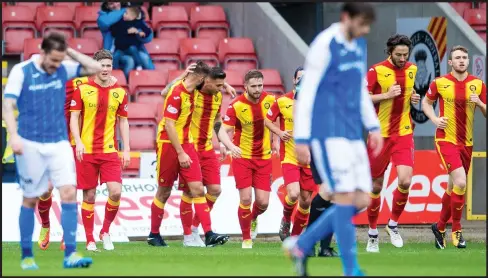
(102, 54)
(397, 40)
(457, 47)
(54, 41)
(253, 74)
(201, 68)
(296, 72)
(354, 9)
(217, 73)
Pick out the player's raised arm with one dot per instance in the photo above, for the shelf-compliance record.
(87, 65)
(11, 94)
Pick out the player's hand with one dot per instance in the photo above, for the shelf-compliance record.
(230, 90)
(441, 122)
(415, 99)
(125, 159)
(475, 99)
(16, 144)
(132, 30)
(375, 142)
(80, 150)
(142, 34)
(275, 147)
(286, 135)
(394, 91)
(235, 151)
(303, 154)
(223, 152)
(190, 68)
(185, 160)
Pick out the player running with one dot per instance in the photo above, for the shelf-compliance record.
(251, 152)
(177, 155)
(330, 114)
(41, 147)
(459, 93)
(298, 178)
(390, 84)
(100, 102)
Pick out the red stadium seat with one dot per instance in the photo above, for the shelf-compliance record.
(85, 46)
(216, 35)
(121, 80)
(142, 138)
(159, 111)
(482, 5)
(238, 54)
(164, 53)
(146, 14)
(272, 81)
(482, 35)
(171, 22)
(142, 114)
(132, 171)
(476, 18)
(209, 17)
(147, 82)
(226, 100)
(86, 22)
(173, 74)
(187, 5)
(59, 18)
(31, 47)
(198, 49)
(460, 7)
(71, 5)
(17, 26)
(236, 80)
(142, 126)
(32, 5)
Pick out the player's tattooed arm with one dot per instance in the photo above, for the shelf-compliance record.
(88, 65)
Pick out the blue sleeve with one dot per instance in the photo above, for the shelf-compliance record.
(105, 20)
(148, 31)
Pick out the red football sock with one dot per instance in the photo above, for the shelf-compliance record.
(457, 204)
(43, 207)
(256, 211)
(288, 208)
(244, 214)
(300, 221)
(111, 209)
(186, 214)
(88, 219)
(210, 202)
(203, 212)
(445, 211)
(400, 198)
(374, 210)
(157, 213)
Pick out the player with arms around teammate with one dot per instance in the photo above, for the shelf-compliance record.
(176, 154)
(100, 102)
(40, 143)
(330, 114)
(390, 84)
(251, 152)
(459, 93)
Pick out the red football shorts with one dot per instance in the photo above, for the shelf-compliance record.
(107, 166)
(454, 156)
(168, 165)
(294, 173)
(79, 171)
(210, 165)
(252, 172)
(397, 149)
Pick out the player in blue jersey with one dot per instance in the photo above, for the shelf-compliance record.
(40, 142)
(331, 111)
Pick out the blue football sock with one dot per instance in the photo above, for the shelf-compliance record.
(26, 225)
(320, 228)
(345, 233)
(69, 221)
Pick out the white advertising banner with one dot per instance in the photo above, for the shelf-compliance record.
(479, 67)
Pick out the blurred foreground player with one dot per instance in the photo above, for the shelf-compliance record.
(330, 114)
(458, 93)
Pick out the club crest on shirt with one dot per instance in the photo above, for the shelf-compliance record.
(115, 94)
(267, 105)
(472, 88)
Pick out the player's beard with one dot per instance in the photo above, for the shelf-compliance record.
(397, 63)
(458, 71)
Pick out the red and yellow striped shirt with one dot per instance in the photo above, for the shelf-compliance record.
(178, 106)
(207, 107)
(100, 107)
(71, 86)
(247, 118)
(393, 114)
(283, 108)
(455, 105)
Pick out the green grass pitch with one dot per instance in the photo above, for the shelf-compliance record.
(266, 258)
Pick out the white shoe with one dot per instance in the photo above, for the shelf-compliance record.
(395, 237)
(92, 246)
(247, 244)
(373, 246)
(107, 242)
(197, 239)
(189, 241)
(254, 228)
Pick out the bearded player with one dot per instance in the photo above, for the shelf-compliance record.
(459, 93)
(100, 102)
(390, 84)
(251, 152)
(176, 155)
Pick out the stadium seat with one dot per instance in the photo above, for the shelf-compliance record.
(142, 126)
(147, 82)
(71, 5)
(86, 22)
(476, 18)
(236, 80)
(171, 22)
(226, 100)
(482, 35)
(173, 74)
(121, 80)
(187, 5)
(272, 81)
(146, 14)
(132, 171)
(142, 138)
(59, 18)
(86, 46)
(209, 21)
(198, 49)
(159, 111)
(460, 7)
(142, 113)
(17, 26)
(32, 5)
(238, 54)
(164, 53)
(482, 5)
(31, 47)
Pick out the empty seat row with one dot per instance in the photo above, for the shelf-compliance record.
(474, 14)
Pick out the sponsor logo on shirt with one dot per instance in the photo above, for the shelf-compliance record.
(171, 109)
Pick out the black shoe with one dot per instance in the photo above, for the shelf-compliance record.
(156, 240)
(328, 252)
(212, 239)
(284, 229)
(458, 239)
(440, 237)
